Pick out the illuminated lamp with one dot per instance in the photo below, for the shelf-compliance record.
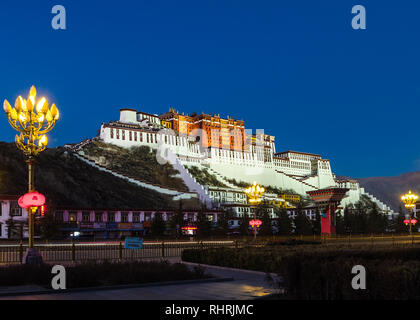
(189, 228)
(42, 210)
(255, 223)
(31, 200)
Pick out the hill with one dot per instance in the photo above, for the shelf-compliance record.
(390, 189)
(137, 162)
(68, 181)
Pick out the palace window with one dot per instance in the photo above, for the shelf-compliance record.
(118, 134)
(111, 216)
(141, 136)
(136, 217)
(98, 217)
(112, 133)
(131, 136)
(135, 136)
(124, 217)
(86, 216)
(15, 210)
(123, 134)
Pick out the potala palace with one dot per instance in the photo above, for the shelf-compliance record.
(227, 150)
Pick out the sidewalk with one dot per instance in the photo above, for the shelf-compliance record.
(245, 286)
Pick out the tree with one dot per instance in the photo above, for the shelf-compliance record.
(266, 228)
(203, 225)
(223, 221)
(244, 225)
(177, 220)
(158, 225)
(284, 223)
(316, 224)
(48, 227)
(377, 222)
(398, 222)
(348, 220)
(302, 224)
(339, 223)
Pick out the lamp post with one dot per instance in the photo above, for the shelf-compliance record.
(410, 200)
(33, 119)
(255, 193)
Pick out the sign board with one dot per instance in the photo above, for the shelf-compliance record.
(133, 243)
(99, 225)
(137, 226)
(86, 225)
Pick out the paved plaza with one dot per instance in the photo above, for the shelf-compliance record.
(246, 285)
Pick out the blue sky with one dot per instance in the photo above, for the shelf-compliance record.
(295, 68)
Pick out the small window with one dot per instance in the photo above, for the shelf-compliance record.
(111, 216)
(15, 210)
(136, 216)
(86, 216)
(98, 217)
(124, 217)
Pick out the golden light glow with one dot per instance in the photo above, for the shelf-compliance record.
(409, 199)
(33, 120)
(255, 193)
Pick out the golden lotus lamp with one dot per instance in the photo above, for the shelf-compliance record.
(33, 119)
(255, 194)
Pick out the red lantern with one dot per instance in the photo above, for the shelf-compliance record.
(31, 200)
(412, 221)
(255, 223)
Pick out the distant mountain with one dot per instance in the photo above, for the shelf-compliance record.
(390, 189)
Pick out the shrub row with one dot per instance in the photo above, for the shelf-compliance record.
(310, 272)
(100, 274)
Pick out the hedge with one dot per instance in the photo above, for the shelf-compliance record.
(325, 273)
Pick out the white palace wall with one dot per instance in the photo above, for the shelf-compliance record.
(300, 172)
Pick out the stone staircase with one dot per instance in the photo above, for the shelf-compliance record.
(189, 180)
(298, 180)
(223, 179)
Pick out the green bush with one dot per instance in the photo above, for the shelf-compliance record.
(314, 272)
(100, 274)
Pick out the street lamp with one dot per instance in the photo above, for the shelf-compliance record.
(255, 193)
(33, 119)
(410, 200)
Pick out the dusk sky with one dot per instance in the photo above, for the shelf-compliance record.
(294, 68)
